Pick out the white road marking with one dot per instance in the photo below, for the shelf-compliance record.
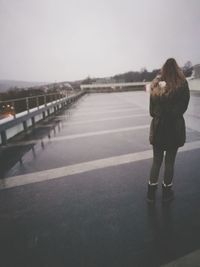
(98, 112)
(75, 136)
(100, 107)
(111, 118)
(192, 123)
(98, 120)
(65, 171)
(91, 121)
(191, 259)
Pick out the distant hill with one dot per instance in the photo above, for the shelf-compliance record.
(7, 84)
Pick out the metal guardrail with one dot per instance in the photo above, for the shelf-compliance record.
(30, 113)
(14, 106)
(113, 87)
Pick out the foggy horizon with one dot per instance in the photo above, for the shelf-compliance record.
(53, 41)
(92, 77)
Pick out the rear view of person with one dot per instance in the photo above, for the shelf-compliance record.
(169, 98)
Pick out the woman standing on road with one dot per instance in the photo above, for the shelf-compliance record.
(169, 98)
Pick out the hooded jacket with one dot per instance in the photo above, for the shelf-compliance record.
(167, 128)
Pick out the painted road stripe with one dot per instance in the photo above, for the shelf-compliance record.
(191, 259)
(75, 136)
(57, 173)
(62, 123)
(98, 120)
(98, 112)
(91, 121)
(100, 107)
(103, 107)
(111, 118)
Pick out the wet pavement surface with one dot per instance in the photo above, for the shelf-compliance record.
(73, 190)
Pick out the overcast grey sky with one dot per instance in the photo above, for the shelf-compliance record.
(56, 40)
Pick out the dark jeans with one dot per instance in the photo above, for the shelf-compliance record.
(170, 157)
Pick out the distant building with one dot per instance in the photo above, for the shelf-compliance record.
(113, 87)
(196, 71)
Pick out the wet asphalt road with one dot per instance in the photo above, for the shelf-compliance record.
(96, 216)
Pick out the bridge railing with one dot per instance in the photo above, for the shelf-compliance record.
(19, 114)
(14, 106)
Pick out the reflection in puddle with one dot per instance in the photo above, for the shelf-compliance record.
(163, 234)
(12, 155)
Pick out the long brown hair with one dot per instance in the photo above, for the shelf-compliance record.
(172, 74)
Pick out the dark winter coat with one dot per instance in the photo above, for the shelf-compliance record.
(167, 128)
